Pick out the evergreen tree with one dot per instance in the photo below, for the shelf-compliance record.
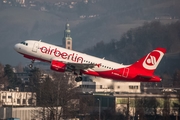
(12, 79)
(34, 78)
(3, 78)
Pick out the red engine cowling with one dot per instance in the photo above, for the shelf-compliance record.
(58, 66)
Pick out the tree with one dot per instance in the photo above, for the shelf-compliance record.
(12, 78)
(19, 68)
(166, 109)
(8, 71)
(151, 105)
(86, 106)
(34, 78)
(3, 78)
(176, 78)
(66, 93)
(54, 91)
(140, 111)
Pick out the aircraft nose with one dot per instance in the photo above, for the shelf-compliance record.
(16, 47)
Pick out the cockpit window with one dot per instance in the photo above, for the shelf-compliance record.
(24, 43)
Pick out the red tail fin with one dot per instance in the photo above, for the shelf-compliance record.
(149, 63)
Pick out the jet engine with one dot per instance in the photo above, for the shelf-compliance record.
(58, 66)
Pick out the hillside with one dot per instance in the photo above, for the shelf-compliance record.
(139, 41)
(114, 18)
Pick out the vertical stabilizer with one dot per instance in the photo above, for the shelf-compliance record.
(148, 64)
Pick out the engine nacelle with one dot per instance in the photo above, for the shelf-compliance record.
(58, 66)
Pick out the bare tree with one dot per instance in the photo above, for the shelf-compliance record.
(87, 106)
(151, 105)
(19, 67)
(56, 95)
(166, 109)
(3, 79)
(176, 77)
(140, 111)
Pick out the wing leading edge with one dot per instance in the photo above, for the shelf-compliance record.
(76, 66)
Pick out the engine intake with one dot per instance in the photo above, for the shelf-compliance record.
(58, 66)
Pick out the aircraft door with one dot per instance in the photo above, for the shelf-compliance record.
(125, 72)
(35, 47)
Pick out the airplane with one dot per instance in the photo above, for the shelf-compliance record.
(65, 60)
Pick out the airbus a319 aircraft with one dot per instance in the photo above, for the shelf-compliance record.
(65, 60)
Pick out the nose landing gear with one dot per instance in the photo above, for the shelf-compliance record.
(31, 65)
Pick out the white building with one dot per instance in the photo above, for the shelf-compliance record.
(25, 113)
(126, 87)
(16, 98)
(102, 85)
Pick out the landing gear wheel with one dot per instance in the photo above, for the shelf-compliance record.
(31, 66)
(78, 79)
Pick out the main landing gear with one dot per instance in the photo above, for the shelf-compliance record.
(31, 65)
(78, 79)
(79, 76)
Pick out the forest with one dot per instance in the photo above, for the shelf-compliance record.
(139, 41)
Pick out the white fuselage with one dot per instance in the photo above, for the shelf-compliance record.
(62, 60)
(48, 52)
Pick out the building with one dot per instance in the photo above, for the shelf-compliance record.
(67, 40)
(127, 87)
(101, 86)
(14, 98)
(134, 102)
(25, 113)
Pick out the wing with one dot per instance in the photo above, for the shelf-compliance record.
(79, 66)
(76, 66)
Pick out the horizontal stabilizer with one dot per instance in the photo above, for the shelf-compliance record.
(147, 78)
(144, 76)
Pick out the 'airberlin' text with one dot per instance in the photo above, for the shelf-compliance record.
(74, 57)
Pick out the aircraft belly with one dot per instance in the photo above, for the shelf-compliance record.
(109, 74)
